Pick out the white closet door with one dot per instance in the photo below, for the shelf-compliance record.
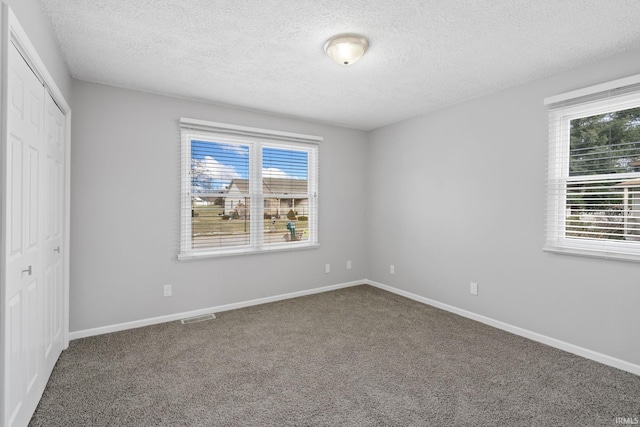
(52, 232)
(23, 300)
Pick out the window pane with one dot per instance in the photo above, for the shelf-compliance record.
(220, 194)
(606, 143)
(286, 220)
(284, 172)
(601, 206)
(214, 165)
(595, 210)
(286, 195)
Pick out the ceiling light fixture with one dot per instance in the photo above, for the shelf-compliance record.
(346, 49)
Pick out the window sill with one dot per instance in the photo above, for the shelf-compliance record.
(245, 251)
(592, 253)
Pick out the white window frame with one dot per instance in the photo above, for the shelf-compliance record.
(601, 99)
(256, 139)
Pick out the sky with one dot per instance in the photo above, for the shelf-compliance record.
(215, 164)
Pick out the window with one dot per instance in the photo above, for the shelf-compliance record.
(594, 171)
(246, 190)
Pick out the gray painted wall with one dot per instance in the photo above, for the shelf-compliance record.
(459, 195)
(125, 212)
(32, 19)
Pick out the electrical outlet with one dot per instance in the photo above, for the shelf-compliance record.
(473, 289)
(168, 291)
(327, 268)
(349, 265)
(392, 269)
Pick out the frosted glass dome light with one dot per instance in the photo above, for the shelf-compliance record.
(346, 49)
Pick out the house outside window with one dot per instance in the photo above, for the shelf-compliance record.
(246, 190)
(593, 202)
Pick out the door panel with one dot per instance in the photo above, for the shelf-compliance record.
(15, 196)
(32, 187)
(32, 327)
(14, 342)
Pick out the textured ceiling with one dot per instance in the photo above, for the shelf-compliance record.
(267, 55)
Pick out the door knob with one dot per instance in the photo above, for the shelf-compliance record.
(28, 270)
(56, 249)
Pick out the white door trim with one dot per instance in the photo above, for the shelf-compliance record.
(12, 32)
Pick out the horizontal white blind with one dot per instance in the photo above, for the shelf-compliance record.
(244, 191)
(594, 174)
(287, 196)
(220, 198)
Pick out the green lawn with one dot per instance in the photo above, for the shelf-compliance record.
(208, 222)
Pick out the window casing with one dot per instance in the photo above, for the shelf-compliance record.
(246, 190)
(593, 199)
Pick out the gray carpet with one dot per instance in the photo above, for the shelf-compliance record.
(358, 357)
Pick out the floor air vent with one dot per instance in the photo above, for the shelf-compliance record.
(202, 318)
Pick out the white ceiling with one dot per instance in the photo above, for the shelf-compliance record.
(267, 55)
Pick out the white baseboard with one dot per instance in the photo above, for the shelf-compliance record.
(574, 349)
(177, 316)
